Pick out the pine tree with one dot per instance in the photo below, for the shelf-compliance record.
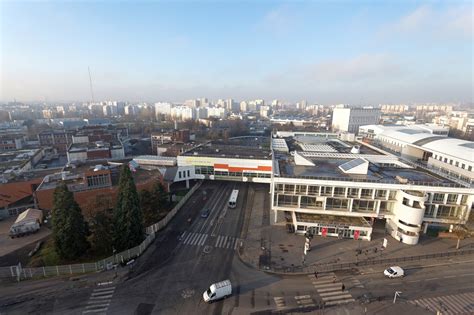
(161, 196)
(101, 236)
(149, 206)
(128, 217)
(69, 228)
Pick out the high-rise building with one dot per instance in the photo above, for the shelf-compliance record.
(345, 118)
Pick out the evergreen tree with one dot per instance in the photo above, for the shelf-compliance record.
(101, 236)
(69, 228)
(161, 196)
(128, 217)
(149, 205)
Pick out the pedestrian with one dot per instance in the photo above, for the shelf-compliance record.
(334, 280)
(343, 287)
(316, 274)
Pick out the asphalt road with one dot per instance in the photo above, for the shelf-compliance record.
(188, 256)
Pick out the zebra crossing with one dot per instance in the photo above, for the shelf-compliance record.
(200, 239)
(193, 239)
(227, 242)
(304, 301)
(448, 304)
(279, 302)
(330, 290)
(356, 283)
(99, 300)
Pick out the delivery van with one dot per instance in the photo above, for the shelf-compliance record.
(217, 291)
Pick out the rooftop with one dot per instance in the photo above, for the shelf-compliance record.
(241, 147)
(381, 173)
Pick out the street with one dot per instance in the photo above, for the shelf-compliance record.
(194, 252)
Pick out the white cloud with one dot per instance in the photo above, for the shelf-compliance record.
(279, 21)
(454, 22)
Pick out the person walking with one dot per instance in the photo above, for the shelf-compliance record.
(343, 287)
(316, 274)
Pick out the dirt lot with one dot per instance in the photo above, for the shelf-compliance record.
(9, 245)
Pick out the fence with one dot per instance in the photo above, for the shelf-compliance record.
(326, 267)
(17, 272)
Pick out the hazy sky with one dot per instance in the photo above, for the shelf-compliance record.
(326, 52)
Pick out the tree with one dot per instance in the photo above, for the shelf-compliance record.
(149, 207)
(461, 233)
(161, 194)
(101, 232)
(128, 216)
(69, 228)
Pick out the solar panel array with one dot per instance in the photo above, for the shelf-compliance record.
(317, 148)
(351, 164)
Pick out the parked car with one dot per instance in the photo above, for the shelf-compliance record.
(217, 291)
(394, 272)
(205, 213)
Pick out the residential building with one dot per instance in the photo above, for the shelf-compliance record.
(345, 118)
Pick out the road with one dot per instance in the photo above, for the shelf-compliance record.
(188, 256)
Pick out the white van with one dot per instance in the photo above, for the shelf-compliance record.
(217, 291)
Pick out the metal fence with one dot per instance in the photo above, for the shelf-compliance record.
(327, 267)
(18, 273)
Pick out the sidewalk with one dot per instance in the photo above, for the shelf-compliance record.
(272, 248)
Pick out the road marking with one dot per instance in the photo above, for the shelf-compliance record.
(187, 237)
(225, 241)
(196, 239)
(102, 293)
(97, 305)
(339, 302)
(468, 274)
(333, 293)
(280, 302)
(449, 304)
(182, 235)
(339, 297)
(300, 297)
(101, 297)
(449, 276)
(98, 301)
(236, 244)
(328, 289)
(328, 285)
(203, 240)
(412, 281)
(431, 279)
(95, 311)
(104, 289)
(219, 238)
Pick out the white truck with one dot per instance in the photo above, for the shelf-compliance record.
(29, 221)
(217, 291)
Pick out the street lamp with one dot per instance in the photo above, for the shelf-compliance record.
(397, 293)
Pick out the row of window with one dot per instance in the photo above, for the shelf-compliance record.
(98, 180)
(334, 191)
(209, 170)
(444, 211)
(454, 163)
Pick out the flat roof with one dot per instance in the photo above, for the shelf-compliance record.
(242, 147)
(329, 169)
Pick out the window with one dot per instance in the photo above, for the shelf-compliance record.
(285, 200)
(289, 189)
(452, 198)
(447, 212)
(363, 205)
(381, 194)
(310, 202)
(189, 174)
(339, 191)
(353, 192)
(464, 199)
(469, 168)
(457, 163)
(392, 195)
(438, 198)
(301, 189)
(313, 190)
(326, 191)
(279, 188)
(333, 203)
(366, 193)
(429, 211)
(179, 174)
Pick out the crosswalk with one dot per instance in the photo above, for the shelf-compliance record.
(200, 239)
(227, 242)
(304, 301)
(331, 291)
(449, 304)
(356, 283)
(280, 302)
(193, 239)
(99, 300)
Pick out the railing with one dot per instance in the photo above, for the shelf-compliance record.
(17, 272)
(327, 267)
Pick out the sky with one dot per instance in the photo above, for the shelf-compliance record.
(326, 52)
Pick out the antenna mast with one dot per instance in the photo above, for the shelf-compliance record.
(90, 83)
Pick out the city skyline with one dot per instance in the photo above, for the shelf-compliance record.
(383, 53)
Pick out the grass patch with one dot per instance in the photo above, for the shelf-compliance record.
(46, 256)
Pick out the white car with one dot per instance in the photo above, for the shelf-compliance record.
(394, 272)
(217, 291)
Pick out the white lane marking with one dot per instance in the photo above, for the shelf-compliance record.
(218, 241)
(100, 297)
(196, 239)
(187, 238)
(338, 289)
(412, 281)
(339, 302)
(300, 297)
(431, 279)
(236, 244)
(332, 293)
(104, 289)
(98, 301)
(182, 235)
(95, 311)
(102, 293)
(97, 305)
(231, 242)
(203, 240)
(449, 276)
(327, 285)
(339, 297)
(225, 241)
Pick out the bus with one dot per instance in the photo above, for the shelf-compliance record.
(233, 198)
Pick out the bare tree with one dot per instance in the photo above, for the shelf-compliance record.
(461, 233)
